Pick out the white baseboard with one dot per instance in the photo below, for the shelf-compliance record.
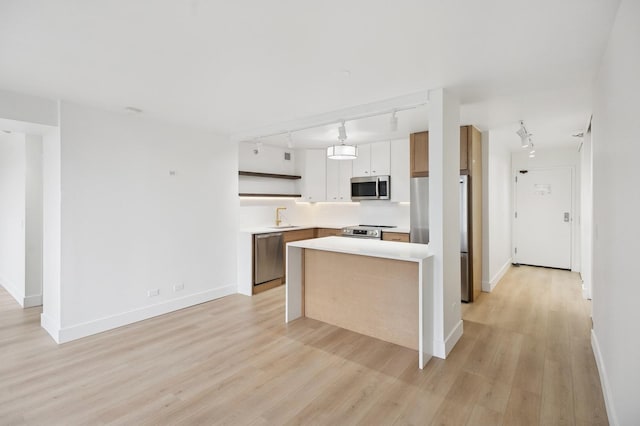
(442, 349)
(50, 327)
(12, 290)
(31, 301)
(67, 334)
(606, 388)
(497, 277)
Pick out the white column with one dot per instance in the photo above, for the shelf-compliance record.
(444, 217)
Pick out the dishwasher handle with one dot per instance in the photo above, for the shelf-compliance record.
(274, 234)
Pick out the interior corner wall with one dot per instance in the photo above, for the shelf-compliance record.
(497, 206)
(12, 214)
(33, 221)
(146, 206)
(616, 203)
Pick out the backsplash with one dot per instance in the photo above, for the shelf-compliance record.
(261, 212)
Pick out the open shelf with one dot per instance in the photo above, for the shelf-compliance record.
(268, 175)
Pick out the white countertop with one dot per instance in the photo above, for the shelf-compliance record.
(367, 247)
(269, 229)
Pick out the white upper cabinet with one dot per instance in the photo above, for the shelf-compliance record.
(362, 164)
(339, 180)
(373, 160)
(314, 175)
(380, 158)
(400, 175)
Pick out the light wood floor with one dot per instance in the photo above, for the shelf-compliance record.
(524, 358)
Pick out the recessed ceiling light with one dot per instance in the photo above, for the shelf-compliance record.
(133, 110)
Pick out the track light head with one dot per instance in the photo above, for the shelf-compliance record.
(525, 136)
(342, 132)
(393, 122)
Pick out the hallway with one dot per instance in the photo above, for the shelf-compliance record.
(524, 358)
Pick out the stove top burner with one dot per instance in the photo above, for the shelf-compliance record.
(379, 226)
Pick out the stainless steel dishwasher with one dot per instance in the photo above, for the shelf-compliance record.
(268, 257)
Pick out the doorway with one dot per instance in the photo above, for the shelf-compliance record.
(543, 217)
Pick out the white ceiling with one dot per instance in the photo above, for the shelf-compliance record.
(235, 66)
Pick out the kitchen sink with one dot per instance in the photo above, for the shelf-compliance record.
(284, 227)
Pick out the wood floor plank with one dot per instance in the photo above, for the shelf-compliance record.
(524, 358)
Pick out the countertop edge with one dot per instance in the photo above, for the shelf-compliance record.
(363, 247)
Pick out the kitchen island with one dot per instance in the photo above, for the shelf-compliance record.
(382, 289)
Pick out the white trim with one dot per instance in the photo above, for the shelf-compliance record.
(50, 327)
(13, 291)
(606, 387)
(67, 334)
(442, 349)
(31, 301)
(498, 276)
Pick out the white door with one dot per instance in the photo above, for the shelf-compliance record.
(543, 218)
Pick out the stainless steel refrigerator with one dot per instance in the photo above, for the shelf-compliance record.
(420, 224)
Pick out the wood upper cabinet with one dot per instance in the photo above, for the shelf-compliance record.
(464, 148)
(419, 146)
(420, 152)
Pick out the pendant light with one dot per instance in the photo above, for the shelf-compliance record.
(342, 151)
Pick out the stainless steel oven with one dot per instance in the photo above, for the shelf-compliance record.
(371, 188)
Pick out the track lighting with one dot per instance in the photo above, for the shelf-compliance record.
(525, 136)
(393, 122)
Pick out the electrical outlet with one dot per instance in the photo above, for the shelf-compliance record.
(153, 292)
(178, 287)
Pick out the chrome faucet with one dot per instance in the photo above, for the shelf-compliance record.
(278, 210)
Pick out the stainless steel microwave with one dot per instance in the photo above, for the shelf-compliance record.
(371, 188)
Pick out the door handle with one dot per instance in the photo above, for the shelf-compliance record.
(566, 216)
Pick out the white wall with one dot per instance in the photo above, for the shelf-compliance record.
(616, 203)
(496, 211)
(12, 214)
(550, 158)
(145, 205)
(586, 214)
(33, 221)
(51, 232)
(23, 108)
